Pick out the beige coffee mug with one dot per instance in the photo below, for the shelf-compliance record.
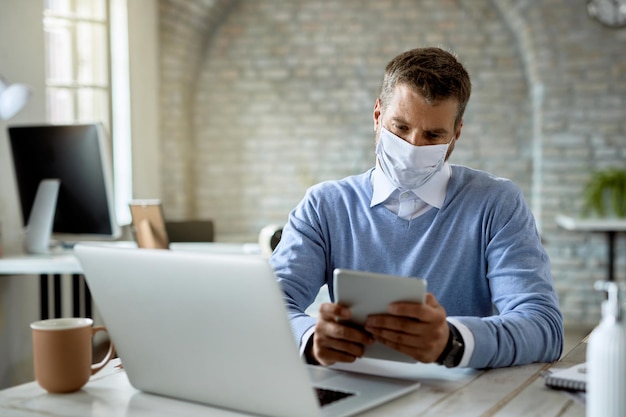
(63, 353)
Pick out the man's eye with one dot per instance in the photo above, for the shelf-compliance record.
(433, 137)
(401, 128)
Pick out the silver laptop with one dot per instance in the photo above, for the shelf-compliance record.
(212, 328)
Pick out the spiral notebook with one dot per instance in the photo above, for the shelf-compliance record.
(573, 378)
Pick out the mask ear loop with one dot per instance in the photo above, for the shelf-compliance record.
(445, 158)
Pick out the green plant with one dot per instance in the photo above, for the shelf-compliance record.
(605, 193)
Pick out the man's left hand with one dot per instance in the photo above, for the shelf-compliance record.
(419, 330)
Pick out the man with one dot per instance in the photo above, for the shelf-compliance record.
(468, 233)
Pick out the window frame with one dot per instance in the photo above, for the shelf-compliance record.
(115, 112)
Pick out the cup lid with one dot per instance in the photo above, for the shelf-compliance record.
(61, 323)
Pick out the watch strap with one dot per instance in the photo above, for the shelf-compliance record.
(453, 352)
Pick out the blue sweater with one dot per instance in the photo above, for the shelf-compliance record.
(480, 254)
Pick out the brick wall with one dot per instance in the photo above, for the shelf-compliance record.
(261, 99)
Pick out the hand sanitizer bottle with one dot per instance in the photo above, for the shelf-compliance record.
(606, 358)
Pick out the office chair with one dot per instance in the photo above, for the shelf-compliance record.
(190, 230)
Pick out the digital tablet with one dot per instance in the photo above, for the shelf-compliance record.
(368, 293)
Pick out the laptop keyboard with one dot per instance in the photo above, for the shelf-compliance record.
(327, 396)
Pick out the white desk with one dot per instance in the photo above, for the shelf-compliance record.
(609, 226)
(50, 266)
(24, 264)
(518, 391)
(63, 262)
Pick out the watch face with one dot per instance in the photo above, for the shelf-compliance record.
(609, 12)
(456, 354)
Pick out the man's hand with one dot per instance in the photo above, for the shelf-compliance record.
(419, 330)
(334, 340)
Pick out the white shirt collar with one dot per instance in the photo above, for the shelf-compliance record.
(433, 192)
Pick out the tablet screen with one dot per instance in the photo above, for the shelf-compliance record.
(368, 293)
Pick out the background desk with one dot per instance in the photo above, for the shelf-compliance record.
(609, 226)
(518, 391)
(51, 267)
(63, 262)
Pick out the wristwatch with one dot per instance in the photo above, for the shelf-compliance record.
(453, 352)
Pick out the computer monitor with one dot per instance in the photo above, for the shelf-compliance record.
(73, 159)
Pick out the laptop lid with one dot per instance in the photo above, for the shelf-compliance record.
(212, 328)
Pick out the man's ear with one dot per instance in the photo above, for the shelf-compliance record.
(376, 114)
(457, 135)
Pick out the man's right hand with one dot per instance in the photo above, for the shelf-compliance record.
(334, 340)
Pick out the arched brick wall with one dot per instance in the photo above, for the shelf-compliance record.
(286, 91)
(186, 28)
(262, 99)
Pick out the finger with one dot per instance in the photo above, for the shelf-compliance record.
(420, 311)
(334, 312)
(332, 350)
(396, 338)
(343, 332)
(422, 346)
(328, 357)
(395, 323)
(334, 342)
(420, 353)
(408, 331)
(423, 340)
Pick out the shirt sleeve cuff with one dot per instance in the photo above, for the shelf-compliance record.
(305, 339)
(468, 341)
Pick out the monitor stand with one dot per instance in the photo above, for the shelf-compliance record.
(41, 218)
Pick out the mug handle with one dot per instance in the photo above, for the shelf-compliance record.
(98, 366)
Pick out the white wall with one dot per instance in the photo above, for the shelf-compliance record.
(143, 21)
(22, 60)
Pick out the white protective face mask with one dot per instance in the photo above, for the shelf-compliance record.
(408, 166)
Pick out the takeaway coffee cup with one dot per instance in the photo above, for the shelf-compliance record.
(62, 353)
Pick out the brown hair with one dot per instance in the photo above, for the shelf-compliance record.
(433, 72)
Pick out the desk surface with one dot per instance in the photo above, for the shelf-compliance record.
(24, 264)
(64, 261)
(518, 391)
(591, 224)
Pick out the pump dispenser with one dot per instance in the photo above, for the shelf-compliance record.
(606, 358)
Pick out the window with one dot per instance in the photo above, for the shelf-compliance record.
(77, 65)
(87, 77)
